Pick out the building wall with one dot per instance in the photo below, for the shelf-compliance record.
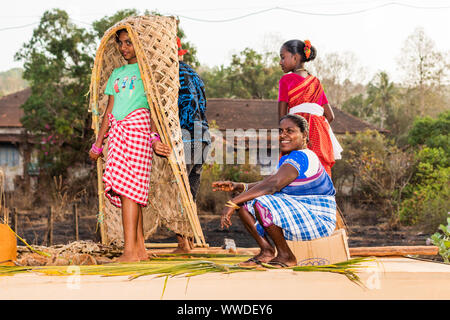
(237, 147)
(11, 163)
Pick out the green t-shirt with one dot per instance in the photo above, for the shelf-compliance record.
(125, 84)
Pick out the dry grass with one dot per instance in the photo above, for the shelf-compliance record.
(64, 195)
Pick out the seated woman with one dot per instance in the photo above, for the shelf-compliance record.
(296, 203)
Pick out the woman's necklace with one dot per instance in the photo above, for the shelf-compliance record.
(301, 69)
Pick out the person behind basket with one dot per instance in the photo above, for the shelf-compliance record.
(296, 203)
(302, 93)
(195, 131)
(131, 141)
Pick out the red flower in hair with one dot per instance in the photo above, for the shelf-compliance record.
(181, 52)
(307, 48)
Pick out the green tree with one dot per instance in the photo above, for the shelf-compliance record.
(57, 62)
(251, 75)
(216, 84)
(377, 169)
(381, 98)
(428, 195)
(385, 105)
(357, 106)
(432, 132)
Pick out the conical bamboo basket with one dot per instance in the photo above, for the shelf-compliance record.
(170, 198)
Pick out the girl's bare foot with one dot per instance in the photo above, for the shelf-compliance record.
(128, 257)
(142, 251)
(143, 255)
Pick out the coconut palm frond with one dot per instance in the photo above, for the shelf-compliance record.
(347, 268)
(192, 269)
(164, 288)
(12, 270)
(176, 266)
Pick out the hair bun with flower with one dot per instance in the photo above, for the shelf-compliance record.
(307, 49)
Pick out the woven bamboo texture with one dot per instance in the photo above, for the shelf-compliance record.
(170, 199)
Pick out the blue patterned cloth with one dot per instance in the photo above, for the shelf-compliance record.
(192, 105)
(312, 178)
(306, 208)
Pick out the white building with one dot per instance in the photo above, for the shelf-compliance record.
(15, 147)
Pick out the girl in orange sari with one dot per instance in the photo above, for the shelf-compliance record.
(302, 93)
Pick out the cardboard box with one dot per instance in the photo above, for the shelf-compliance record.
(321, 251)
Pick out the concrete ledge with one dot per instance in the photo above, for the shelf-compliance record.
(387, 278)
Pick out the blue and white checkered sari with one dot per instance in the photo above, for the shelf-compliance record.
(301, 217)
(306, 208)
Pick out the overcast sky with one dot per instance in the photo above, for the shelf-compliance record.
(373, 30)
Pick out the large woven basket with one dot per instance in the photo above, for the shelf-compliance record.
(170, 199)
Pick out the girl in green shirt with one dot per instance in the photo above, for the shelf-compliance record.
(131, 141)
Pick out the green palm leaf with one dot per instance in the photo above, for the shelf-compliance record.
(173, 266)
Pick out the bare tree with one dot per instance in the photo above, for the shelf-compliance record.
(423, 66)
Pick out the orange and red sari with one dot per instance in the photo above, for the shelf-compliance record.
(296, 90)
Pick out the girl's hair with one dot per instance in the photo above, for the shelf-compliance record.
(299, 122)
(298, 46)
(118, 32)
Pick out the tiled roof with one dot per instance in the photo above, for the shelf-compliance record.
(10, 110)
(227, 113)
(263, 114)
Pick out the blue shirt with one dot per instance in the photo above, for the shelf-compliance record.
(312, 178)
(192, 105)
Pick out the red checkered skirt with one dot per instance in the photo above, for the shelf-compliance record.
(129, 161)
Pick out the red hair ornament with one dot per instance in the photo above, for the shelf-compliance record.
(307, 48)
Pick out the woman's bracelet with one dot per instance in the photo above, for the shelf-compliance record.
(231, 204)
(245, 186)
(96, 149)
(154, 136)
